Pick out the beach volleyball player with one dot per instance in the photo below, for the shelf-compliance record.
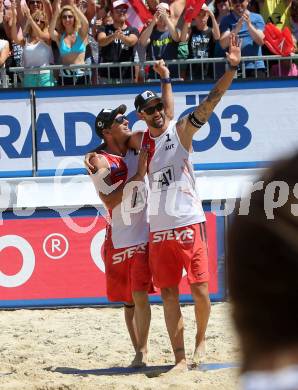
(128, 277)
(176, 218)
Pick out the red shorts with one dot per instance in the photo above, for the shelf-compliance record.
(127, 270)
(172, 250)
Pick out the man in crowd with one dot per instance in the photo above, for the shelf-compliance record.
(249, 26)
(117, 42)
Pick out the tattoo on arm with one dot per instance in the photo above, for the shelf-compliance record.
(204, 110)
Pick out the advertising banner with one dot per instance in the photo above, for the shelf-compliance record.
(15, 134)
(54, 259)
(251, 126)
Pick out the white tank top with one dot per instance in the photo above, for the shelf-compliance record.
(173, 201)
(129, 219)
(37, 54)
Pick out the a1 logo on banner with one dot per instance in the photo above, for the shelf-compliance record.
(55, 246)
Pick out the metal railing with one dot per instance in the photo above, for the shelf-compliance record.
(181, 70)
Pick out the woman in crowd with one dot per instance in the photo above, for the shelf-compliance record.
(36, 43)
(69, 29)
(222, 8)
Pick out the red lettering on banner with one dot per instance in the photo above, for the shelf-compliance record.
(76, 268)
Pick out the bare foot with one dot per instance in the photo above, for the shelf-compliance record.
(140, 360)
(199, 353)
(177, 369)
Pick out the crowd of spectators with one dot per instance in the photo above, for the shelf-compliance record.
(39, 33)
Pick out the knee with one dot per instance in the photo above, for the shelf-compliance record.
(140, 298)
(170, 294)
(200, 292)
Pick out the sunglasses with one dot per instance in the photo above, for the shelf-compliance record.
(238, 1)
(39, 21)
(37, 2)
(221, 1)
(121, 10)
(120, 119)
(151, 110)
(67, 16)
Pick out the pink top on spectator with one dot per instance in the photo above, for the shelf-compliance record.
(285, 70)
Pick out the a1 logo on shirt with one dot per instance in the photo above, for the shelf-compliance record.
(162, 179)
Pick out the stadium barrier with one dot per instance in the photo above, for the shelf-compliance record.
(192, 69)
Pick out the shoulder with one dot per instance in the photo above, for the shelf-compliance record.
(256, 17)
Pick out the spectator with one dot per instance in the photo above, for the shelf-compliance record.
(276, 12)
(118, 43)
(33, 5)
(201, 39)
(37, 52)
(4, 54)
(249, 26)
(71, 36)
(222, 8)
(294, 19)
(161, 39)
(286, 68)
(262, 276)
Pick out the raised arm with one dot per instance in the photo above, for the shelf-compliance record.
(84, 23)
(47, 7)
(91, 10)
(44, 35)
(215, 26)
(52, 29)
(146, 33)
(16, 36)
(184, 37)
(166, 87)
(189, 125)
(4, 54)
(175, 34)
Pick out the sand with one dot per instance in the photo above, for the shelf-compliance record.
(69, 348)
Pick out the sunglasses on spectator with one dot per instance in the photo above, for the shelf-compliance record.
(238, 1)
(120, 119)
(32, 2)
(67, 16)
(39, 21)
(151, 110)
(221, 1)
(121, 10)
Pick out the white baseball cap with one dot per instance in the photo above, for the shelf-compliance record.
(118, 3)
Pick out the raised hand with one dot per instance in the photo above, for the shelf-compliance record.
(234, 54)
(161, 69)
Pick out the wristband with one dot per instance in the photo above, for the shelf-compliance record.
(166, 80)
(232, 67)
(194, 121)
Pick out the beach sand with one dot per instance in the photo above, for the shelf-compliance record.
(70, 348)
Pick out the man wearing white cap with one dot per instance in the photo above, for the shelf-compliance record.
(117, 42)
